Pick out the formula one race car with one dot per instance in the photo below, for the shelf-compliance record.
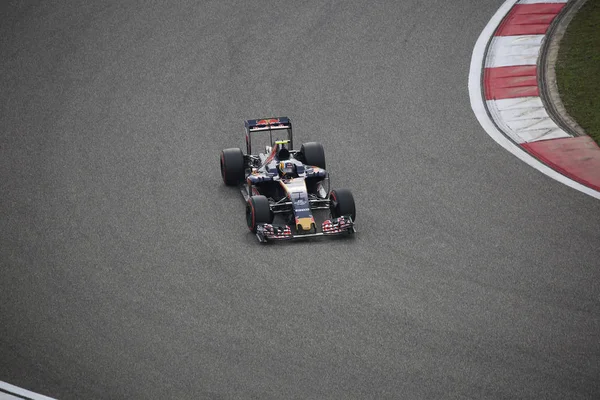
(291, 186)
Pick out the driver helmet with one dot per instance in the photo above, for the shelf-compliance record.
(287, 169)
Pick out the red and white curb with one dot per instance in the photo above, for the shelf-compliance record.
(11, 392)
(505, 96)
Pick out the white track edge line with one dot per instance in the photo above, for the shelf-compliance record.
(479, 108)
(17, 391)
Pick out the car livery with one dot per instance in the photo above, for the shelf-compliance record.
(280, 183)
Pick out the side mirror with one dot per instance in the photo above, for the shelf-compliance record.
(323, 187)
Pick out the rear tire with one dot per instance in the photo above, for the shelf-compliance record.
(342, 203)
(258, 212)
(313, 154)
(232, 166)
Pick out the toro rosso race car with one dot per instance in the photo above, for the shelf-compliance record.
(285, 188)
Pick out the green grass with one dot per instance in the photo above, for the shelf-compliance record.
(578, 68)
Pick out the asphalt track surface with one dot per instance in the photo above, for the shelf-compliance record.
(127, 270)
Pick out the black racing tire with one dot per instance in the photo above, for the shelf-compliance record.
(313, 154)
(232, 166)
(258, 212)
(342, 203)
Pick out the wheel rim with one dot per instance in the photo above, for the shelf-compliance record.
(250, 216)
(333, 206)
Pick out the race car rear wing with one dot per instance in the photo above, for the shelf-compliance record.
(268, 125)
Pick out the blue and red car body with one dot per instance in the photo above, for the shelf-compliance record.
(293, 198)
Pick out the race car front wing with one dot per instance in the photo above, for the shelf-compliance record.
(330, 227)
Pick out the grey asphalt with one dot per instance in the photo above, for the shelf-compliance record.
(127, 271)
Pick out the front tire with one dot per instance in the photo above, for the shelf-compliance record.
(258, 212)
(232, 166)
(342, 203)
